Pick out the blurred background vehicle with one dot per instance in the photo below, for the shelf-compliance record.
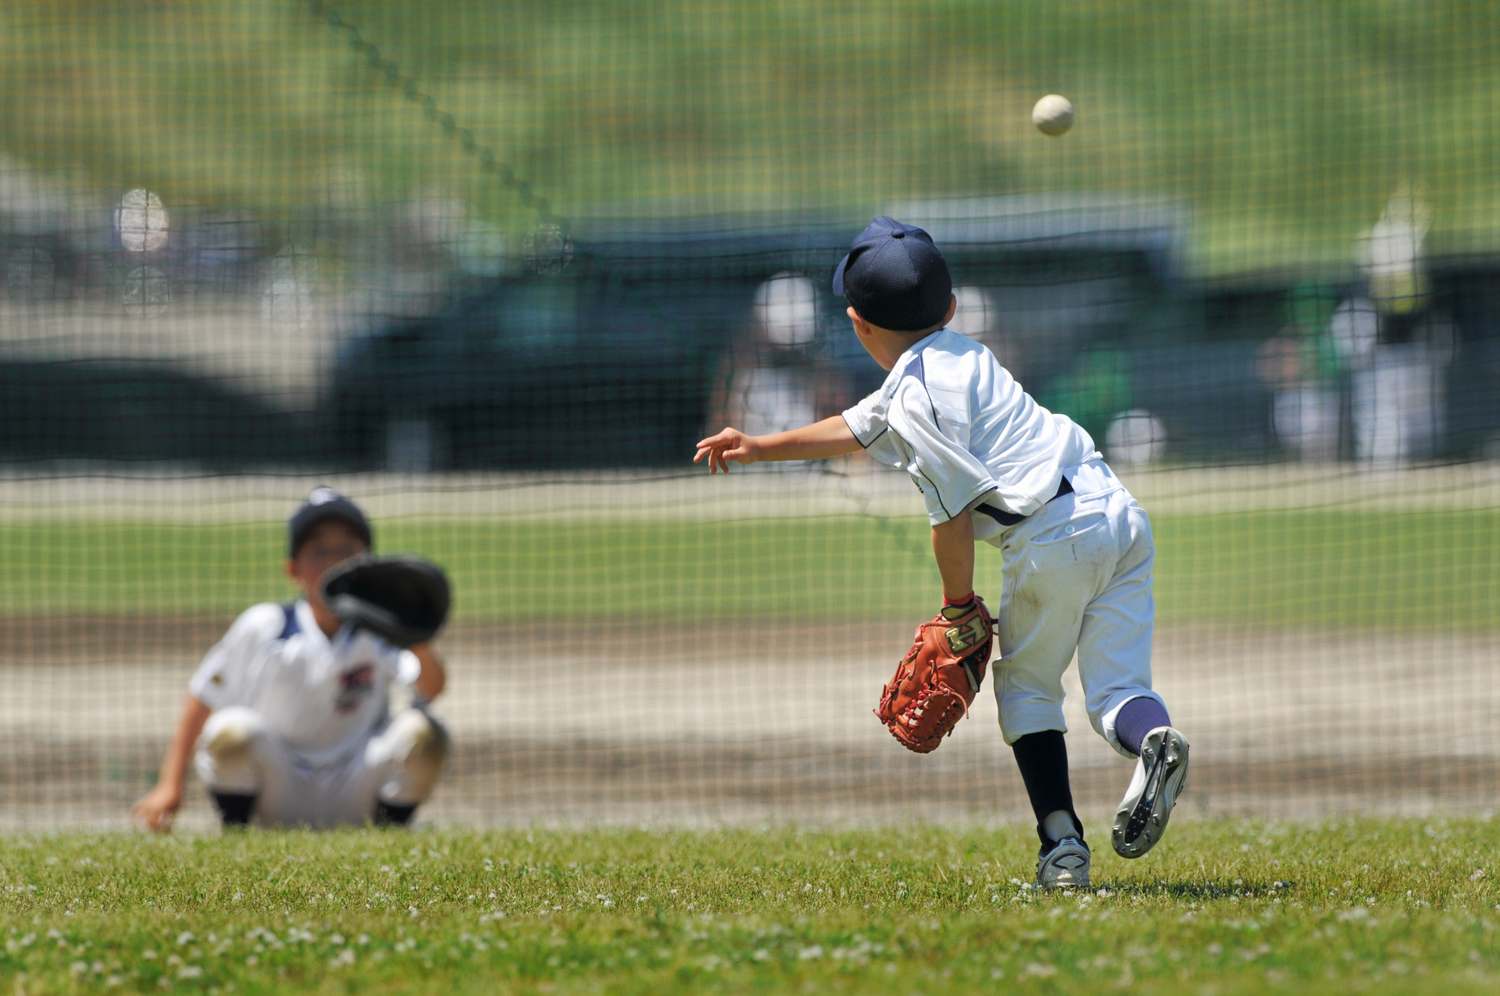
(647, 334)
(87, 412)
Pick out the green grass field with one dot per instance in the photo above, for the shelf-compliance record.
(1285, 125)
(1418, 570)
(1223, 908)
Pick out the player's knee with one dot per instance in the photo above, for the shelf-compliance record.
(232, 734)
(1021, 715)
(425, 745)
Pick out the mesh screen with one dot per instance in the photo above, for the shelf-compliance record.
(491, 270)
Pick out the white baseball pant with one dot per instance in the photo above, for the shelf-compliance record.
(399, 764)
(1077, 577)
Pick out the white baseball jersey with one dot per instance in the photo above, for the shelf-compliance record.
(1078, 566)
(322, 697)
(956, 420)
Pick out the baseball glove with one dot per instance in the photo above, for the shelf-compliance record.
(939, 676)
(404, 600)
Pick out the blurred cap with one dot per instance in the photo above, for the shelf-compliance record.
(895, 277)
(321, 505)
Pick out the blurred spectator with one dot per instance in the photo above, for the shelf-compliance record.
(771, 381)
(1396, 346)
(1303, 368)
(1093, 391)
(977, 316)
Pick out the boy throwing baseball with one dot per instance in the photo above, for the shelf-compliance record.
(292, 708)
(993, 465)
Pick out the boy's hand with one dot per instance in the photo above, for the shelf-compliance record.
(157, 807)
(726, 446)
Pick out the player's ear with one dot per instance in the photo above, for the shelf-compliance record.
(952, 308)
(291, 569)
(860, 325)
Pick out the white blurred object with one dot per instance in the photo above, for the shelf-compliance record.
(976, 313)
(1392, 254)
(1135, 437)
(1053, 114)
(1355, 328)
(286, 296)
(1398, 406)
(1396, 387)
(786, 310)
(141, 221)
(1396, 391)
(1306, 420)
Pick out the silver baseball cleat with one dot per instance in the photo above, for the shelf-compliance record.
(1064, 866)
(1160, 776)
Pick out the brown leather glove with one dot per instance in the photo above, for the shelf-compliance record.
(939, 676)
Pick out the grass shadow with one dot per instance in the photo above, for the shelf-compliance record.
(1202, 889)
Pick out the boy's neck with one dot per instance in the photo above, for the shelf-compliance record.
(887, 347)
(326, 620)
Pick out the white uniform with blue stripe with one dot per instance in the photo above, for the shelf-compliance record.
(301, 720)
(1077, 564)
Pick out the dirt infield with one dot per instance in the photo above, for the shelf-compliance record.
(753, 724)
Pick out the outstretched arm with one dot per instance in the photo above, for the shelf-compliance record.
(819, 441)
(157, 807)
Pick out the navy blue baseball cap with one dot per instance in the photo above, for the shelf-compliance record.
(321, 505)
(895, 277)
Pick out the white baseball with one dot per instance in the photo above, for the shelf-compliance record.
(1053, 114)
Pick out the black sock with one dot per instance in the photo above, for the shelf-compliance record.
(234, 807)
(393, 814)
(1043, 760)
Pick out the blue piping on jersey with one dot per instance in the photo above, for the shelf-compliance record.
(861, 442)
(916, 368)
(289, 624)
(935, 489)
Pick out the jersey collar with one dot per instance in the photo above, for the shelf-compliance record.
(915, 349)
(307, 623)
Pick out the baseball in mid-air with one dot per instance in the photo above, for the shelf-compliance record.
(1053, 114)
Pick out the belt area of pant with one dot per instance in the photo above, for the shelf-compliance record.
(1011, 518)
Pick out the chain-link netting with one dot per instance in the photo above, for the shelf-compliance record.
(492, 269)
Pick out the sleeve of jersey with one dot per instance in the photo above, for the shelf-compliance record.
(867, 420)
(948, 475)
(217, 682)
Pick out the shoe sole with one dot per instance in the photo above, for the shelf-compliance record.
(1071, 883)
(1137, 828)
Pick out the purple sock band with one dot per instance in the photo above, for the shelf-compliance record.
(1137, 718)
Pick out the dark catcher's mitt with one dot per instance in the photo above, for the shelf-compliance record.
(939, 676)
(404, 600)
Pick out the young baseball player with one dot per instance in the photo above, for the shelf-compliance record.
(293, 709)
(993, 465)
